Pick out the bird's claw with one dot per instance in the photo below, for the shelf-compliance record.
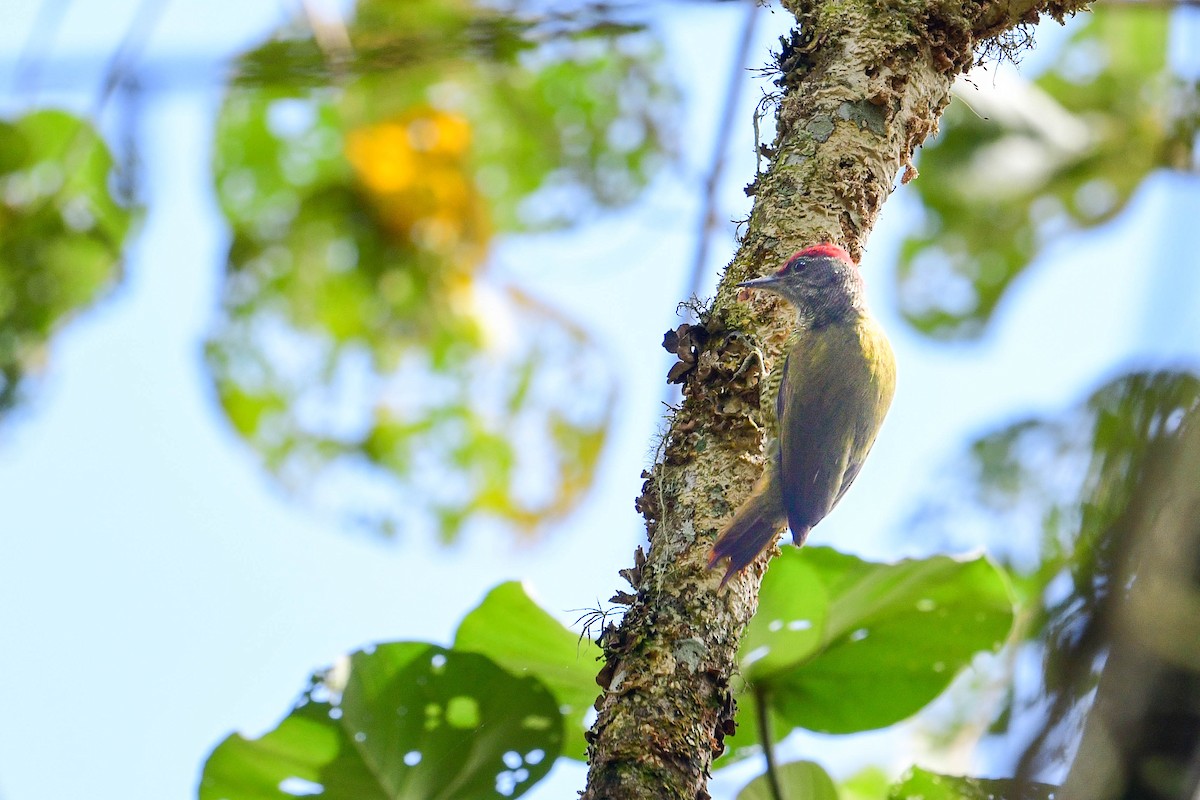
(756, 355)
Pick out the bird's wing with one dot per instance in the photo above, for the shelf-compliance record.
(815, 441)
(848, 478)
(832, 401)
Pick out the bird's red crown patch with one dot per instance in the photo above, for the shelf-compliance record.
(824, 250)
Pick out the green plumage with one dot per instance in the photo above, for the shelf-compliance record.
(834, 389)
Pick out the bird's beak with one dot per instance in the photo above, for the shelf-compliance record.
(765, 282)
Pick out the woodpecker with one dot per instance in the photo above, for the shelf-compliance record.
(834, 389)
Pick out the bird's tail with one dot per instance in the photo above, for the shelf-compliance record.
(753, 528)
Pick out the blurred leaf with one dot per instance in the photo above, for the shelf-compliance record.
(919, 784)
(512, 630)
(1041, 493)
(1134, 660)
(273, 146)
(870, 783)
(391, 36)
(408, 720)
(360, 350)
(364, 423)
(1065, 152)
(587, 131)
(799, 780)
(61, 235)
(892, 638)
(578, 122)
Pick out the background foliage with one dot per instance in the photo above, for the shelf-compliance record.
(368, 354)
(61, 235)
(363, 349)
(1003, 182)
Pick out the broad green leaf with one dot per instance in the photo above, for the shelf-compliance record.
(893, 637)
(788, 627)
(408, 720)
(799, 780)
(920, 784)
(512, 630)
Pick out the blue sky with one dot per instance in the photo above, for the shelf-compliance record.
(156, 590)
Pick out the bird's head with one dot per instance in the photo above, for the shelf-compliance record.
(821, 281)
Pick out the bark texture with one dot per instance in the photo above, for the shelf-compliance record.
(864, 83)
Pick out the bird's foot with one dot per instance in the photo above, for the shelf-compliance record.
(754, 357)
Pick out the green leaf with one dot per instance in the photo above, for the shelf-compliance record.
(799, 780)
(919, 784)
(787, 629)
(512, 630)
(892, 638)
(409, 720)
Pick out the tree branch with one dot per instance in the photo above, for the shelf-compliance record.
(1000, 16)
(865, 82)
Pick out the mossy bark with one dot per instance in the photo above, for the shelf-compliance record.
(865, 82)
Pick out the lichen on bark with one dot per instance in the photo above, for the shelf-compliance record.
(864, 83)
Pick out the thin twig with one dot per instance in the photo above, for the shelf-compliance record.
(768, 744)
(712, 182)
(120, 66)
(50, 15)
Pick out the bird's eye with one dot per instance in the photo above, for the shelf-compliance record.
(792, 267)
